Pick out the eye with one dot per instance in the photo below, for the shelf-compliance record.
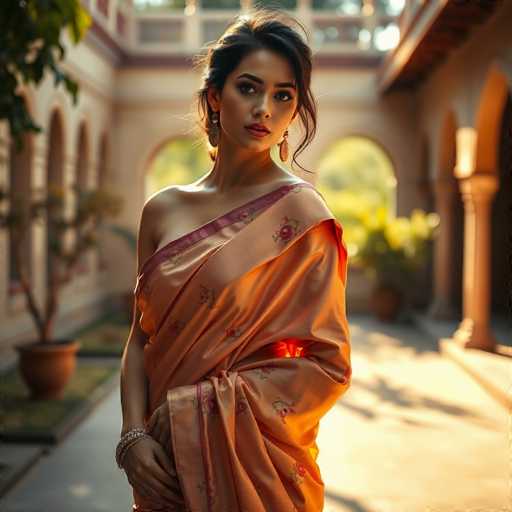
(244, 86)
(290, 97)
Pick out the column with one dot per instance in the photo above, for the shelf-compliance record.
(192, 26)
(445, 196)
(474, 331)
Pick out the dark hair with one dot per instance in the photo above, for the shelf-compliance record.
(259, 28)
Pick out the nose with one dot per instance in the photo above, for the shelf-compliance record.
(263, 107)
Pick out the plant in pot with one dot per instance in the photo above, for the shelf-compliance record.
(394, 250)
(47, 364)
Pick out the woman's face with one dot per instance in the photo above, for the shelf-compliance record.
(251, 94)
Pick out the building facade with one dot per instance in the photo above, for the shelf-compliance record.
(436, 99)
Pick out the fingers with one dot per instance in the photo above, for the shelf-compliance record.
(162, 486)
(144, 468)
(165, 461)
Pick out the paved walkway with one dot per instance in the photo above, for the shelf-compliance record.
(413, 433)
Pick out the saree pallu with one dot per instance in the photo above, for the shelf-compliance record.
(248, 342)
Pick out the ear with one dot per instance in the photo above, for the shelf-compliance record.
(213, 97)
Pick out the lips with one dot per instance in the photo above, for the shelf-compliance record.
(257, 133)
(258, 127)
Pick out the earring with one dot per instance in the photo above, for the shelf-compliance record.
(283, 147)
(213, 133)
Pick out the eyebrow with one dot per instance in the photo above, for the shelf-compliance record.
(260, 81)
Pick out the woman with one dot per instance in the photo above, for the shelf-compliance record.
(240, 342)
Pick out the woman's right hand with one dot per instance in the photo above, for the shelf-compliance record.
(151, 474)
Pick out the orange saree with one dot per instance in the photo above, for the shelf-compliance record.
(248, 342)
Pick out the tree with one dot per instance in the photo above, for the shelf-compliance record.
(30, 45)
(92, 209)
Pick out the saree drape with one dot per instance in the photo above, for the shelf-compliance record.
(249, 343)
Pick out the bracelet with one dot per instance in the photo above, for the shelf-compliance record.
(122, 455)
(126, 440)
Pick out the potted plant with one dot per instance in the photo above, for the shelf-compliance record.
(393, 251)
(47, 364)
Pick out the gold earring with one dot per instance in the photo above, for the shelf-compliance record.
(283, 147)
(213, 132)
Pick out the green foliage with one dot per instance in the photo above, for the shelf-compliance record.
(395, 248)
(30, 45)
(91, 209)
(356, 176)
(179, 162)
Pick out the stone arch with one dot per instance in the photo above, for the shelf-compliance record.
(488, 120)
(196, 164)
(328, 142)
(358, 137)
(501, 220)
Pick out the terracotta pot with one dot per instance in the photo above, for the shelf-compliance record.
(47, 367)
(386, 302)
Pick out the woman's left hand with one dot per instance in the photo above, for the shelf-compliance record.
(159, 426)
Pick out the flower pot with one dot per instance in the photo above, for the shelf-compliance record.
(386, 302)
(47, 367)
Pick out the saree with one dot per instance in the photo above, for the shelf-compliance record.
(248, 341)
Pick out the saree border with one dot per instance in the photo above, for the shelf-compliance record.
(239, 214)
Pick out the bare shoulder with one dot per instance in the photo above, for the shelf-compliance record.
(154, 209)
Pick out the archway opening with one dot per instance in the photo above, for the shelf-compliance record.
(356, 177)
(501, 226)
(176, 162)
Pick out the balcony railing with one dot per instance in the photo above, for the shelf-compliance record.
(185, 26)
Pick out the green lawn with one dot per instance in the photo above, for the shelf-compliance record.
(19, 414)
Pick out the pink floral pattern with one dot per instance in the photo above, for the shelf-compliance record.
(283, 408)
(264, 372)
(233, 332)
(176, 326)
(207, 296)
(298, 473)
(288, 229)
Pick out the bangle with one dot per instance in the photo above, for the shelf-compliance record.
(126, 440)
(122, 455)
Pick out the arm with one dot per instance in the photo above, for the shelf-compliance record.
(133, 379)
(147, 464)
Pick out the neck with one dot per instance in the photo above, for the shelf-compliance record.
(236, 168)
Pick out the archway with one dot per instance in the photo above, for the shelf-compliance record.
(355, 176)
(501, 224)
(176, 162)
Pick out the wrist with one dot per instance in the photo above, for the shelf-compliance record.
(130, 426)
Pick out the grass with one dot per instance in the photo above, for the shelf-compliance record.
(19, 414)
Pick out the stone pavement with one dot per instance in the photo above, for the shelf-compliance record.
(414, 433)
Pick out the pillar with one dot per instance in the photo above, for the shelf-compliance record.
(474, 331)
